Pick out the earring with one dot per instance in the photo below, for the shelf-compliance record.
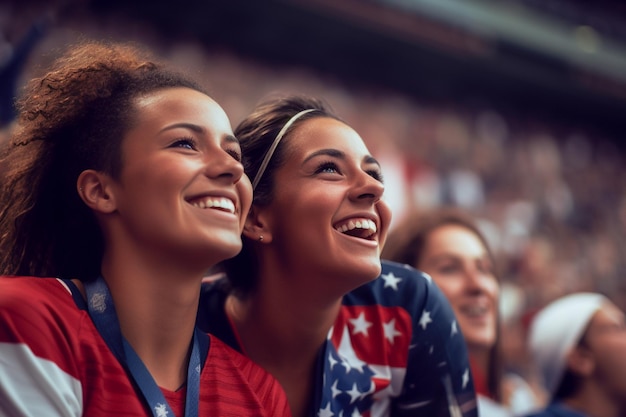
(261, 238)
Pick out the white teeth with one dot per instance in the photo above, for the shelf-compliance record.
(218, 202)
(357, 224)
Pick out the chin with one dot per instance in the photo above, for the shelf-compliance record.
(224, 249)
(363, 273)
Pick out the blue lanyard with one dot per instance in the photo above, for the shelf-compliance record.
(102, 312)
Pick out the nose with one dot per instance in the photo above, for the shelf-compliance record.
(367, 188)
(476, 281)
(222, 165)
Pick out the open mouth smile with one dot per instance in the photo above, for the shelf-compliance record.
(218, 203)
(359, 227)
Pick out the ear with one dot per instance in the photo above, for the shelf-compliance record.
(581, 361)
(94, 188)
(257, 224)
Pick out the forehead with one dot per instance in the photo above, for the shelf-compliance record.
(325, 133)
(180, 104)
(454, 236)
(606, 315)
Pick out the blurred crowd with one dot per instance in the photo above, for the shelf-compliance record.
(550, 196)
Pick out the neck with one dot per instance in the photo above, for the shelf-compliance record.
(156, 305)
(283, 332)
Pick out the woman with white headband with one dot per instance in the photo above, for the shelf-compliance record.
(578, 343)
(308, 298)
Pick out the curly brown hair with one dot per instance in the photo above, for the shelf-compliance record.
(71, 119)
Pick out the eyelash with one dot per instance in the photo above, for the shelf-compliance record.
(377, 175)
(327, 165)
(179, 143)
(235, 154)
(189, 141)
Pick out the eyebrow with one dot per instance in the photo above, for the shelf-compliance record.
(340, 155)
(185, 125)
(197, 129)
(231, 139)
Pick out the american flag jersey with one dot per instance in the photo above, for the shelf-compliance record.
(53, 362)
(394, 350)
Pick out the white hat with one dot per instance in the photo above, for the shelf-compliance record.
(557, 329)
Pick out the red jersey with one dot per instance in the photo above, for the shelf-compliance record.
(53, 362)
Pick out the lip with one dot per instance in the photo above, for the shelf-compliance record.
(477, 311)
(373, 239)
(216, 195)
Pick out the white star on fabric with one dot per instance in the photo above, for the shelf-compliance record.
(390, 330)
(360, 325)
(346, 365)
(325, 412)
(354, 393)
(336, 391)
(465, 377)
(455, 330)
(391, 280)
(161, 410)
(332, 361)
(425, 319)
(349, 359)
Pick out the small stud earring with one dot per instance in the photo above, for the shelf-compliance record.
(261, 238)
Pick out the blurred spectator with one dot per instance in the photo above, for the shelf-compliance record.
(448, 245)
(578, 344)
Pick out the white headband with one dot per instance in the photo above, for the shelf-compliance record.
(270, 152)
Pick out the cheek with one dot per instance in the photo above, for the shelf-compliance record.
(611, 363)
(450, 287)
(492, 288)
(244, 191)
(385, 215)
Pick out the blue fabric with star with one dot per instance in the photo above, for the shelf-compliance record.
(394, 350)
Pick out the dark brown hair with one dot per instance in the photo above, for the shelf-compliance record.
(256, 134)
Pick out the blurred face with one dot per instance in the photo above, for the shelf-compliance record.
(459, 263)
(182, 192)
(326, 215)
(606, 339)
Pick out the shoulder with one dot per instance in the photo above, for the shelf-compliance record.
(397, 285)
(30, 299)
(39, 313)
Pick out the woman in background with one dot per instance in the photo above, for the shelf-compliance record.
(578, 342)
(123, 183)
(448, 245)
(308, 298)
